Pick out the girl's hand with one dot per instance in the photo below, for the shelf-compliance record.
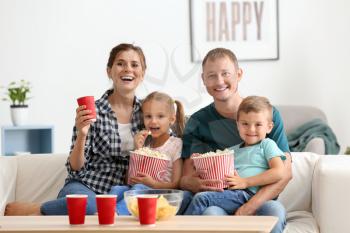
(143, 178)
(83, 120)
(236, 182)
(140, 138)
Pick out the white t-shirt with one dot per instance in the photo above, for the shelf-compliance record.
(127, 140)
(172, 148)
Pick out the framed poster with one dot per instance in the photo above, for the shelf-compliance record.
(248, 28)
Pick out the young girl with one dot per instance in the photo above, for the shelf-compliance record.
(161, 121)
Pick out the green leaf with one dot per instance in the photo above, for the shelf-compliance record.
(17, 92)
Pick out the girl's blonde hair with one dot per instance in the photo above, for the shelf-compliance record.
(179, 125)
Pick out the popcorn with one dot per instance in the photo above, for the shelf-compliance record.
(146, 151)
(211, 153)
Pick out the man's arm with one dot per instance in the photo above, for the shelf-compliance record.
(267, 192)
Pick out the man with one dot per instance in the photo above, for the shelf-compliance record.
(214, 127)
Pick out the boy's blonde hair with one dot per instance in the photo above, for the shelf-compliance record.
(255, 104)
(219, 53)
(179, 114)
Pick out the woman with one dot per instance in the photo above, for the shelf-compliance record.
(98, 159)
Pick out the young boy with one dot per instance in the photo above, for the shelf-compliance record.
(258, 160)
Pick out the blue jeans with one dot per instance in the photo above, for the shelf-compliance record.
(187, 198)
(59, 206)
(269, 208)
(228, 200)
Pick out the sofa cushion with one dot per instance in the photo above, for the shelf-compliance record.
(49, 171)
(8, 173)
(301, 222)
(297, 195)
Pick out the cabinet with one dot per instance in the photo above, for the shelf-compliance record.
(33, 139)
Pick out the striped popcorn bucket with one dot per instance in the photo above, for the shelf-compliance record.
(216, 167)
(157, 168)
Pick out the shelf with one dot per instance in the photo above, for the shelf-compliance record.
(33, 139)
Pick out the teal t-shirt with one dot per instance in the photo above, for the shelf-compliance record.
(207, 130)
(254, 160)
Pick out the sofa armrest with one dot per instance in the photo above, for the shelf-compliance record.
(330, 193)
(8, 178)
(316, 145)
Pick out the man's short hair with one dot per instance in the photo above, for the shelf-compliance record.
(219, 53)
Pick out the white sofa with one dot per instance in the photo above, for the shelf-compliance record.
(317, 199)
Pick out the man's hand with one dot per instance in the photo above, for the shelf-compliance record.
(246, 209)
(195, 184)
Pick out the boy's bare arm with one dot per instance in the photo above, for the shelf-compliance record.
(267, 192)
(272, 175)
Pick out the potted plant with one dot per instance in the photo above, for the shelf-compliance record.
(17, 93)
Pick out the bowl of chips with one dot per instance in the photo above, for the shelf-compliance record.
(168, 202)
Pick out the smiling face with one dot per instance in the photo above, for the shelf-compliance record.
(157, 118)
(221, 77)
(253, 126)
(127, 71)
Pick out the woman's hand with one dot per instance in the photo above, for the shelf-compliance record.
(83, 120)
(236, 182)
(140, 138)
(143, 178)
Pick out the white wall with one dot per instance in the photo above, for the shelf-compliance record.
(62, 47)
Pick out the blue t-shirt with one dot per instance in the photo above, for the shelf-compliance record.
(207, 130)
(254, 160)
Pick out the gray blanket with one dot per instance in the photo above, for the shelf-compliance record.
(299, 138)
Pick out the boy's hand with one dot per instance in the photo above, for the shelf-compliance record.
(139, 138)
(236, 182)
(143, 178)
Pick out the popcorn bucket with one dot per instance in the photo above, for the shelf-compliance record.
(216, 167)
(157, 168)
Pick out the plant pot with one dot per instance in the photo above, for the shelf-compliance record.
(19, 114)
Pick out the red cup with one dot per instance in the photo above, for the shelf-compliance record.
(89, 102)
(106, 205)
(147, 209)
(76, 205)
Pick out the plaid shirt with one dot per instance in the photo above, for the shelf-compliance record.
(104, 165)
